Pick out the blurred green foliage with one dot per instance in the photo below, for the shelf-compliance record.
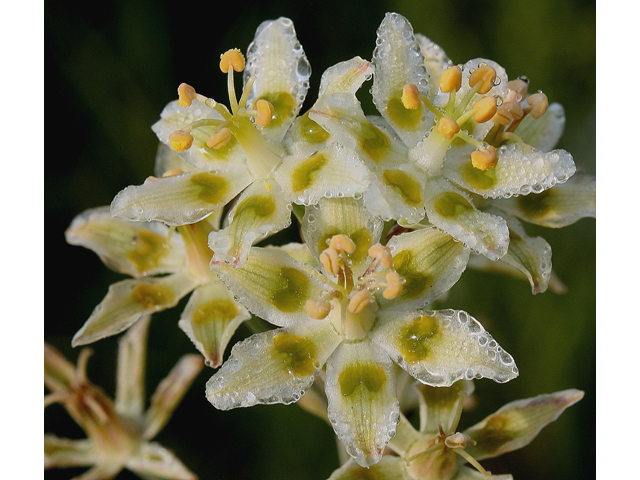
(111, 70)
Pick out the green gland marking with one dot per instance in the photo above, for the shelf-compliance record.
(150, 296)
(451, 205)
(257, 206)
(403, 117)
(367, 375)
(305, 173)
(283, 105)
(405, 185)
(310, 130)
(148, 250)
(373, 141)
(479, 179)
(212, 188)
(291, 289)
(297, 353)
(415, 282)
(536, 205)
(494, 434)
(215, 311)
(417, 338)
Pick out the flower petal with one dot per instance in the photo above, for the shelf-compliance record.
(346, 216)
(388, 468)
(273, 286)
(396, 193)
(170, 392)
(362, 403)
(130, 379)
(430, 262)
(543, 133)
(282, 72)
(329, 172)
(517, 423)
(135, 248)
(168, 159)
(153, 461)
(521, 169)
(441, 347)
(435, 60)
(442, 406)
(180, 199)
(557, 207)
(467, 473)
(65, 453)
(453, 212)
(261, 210)
(345, 77)
(130, 300)
(276, 366)
(398, 61)
(210, 319)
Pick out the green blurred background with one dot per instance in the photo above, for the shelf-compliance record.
(111, 70)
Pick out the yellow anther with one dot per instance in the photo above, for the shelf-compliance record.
(507, 113)
(186, 95)
(317, 310)
(539, 104)
(219, 139)
(342, 243)
(451, 80)
(330, 261)
(485, 109)
(486, 159)
(382, 254)
(180, 141)
(485, 76)
(519, 86)
(232, 58)
(172, 172)
(265, 112)
(394, 285)
(458, 440)
(410, 97)
(359, 301)
(448, 127)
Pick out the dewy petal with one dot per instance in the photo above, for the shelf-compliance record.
(329, 172)
(274, 286)
(135, 248)
(521, 169)
(168, 159)
(180, 199)
(435, 60)
(261, 210)
(441, 347)
(130, 300)
(210, 319)
(517, 423)
(468, 473)
(557, 207)
(101, 471)
(346, 216)
(200, 155)
(65, 453)
(282, 73)
(299, 252)
(398, 61)
(153, 461)
(430, 262)
(276, 366)
(170, 392)
(543, 133)
(130, 377)
(388, 468)
(441, 406)
(453, 211)
(362, 403)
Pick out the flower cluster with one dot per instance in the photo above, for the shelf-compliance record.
(391, 209)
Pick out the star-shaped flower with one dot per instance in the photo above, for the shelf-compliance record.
(353, 308)
(118, 432)
(437, 451)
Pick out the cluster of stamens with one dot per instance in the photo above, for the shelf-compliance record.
(263, 111)
(505, 113)
(359, 292)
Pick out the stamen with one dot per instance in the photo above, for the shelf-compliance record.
(451, 79)
(485, 159)
(448, 127)
(342, 243)
(186, 94)
(359, 301)
(180, 141)
(394, 285)
(458, 440)
(485, 109)
(484, 76)
(232, 58)
(381, 254)
(519, 86)
(472, 461)
(539, 104)
(219, 139)
(317, 310)
(330, 260)
(172, 172)
(81, 368)
(410, 97)
(265, 112)
(507, 113)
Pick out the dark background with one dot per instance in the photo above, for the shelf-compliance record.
(109, 72)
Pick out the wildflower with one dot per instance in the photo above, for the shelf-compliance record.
(165, 267)
(356, 308)
(438, 451)
(118, 432)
